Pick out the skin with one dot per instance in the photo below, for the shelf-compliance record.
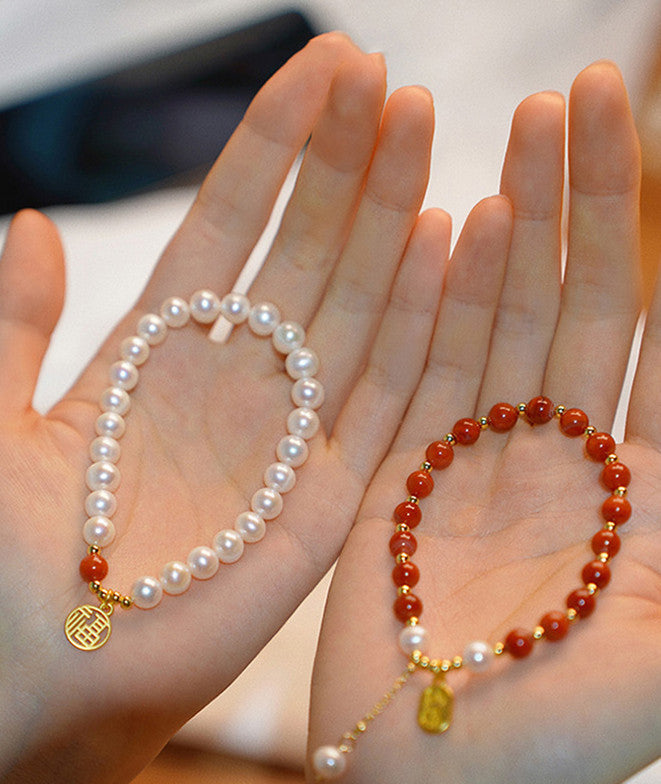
(359, 267)
(507, 529)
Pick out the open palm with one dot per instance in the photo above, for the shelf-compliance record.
(507, 529)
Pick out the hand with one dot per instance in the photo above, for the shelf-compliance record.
(506, 532)
(205, 418)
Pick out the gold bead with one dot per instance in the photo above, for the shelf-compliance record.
(402, 557)
(93, 549)
(95, 586)
(591, 588)
(127, 602)
(343, 748)
(450, 439)
(499, 648)
(413, 621)
(402, 527)
(457, 662)
(410, 667)
(361, 726)
(425, 466)
(412, 499)
(572, 615)
(403, 590)
(589, 430)
(612, 458)
(603, 557)
(416, 656)
(116, 597)
(538, 632)
(609, 526)
(103, 594)
(424, 662)
(559, 411)
(446, 665)
(620, 491)
(483, 422)
(435, 666)
(521, 408)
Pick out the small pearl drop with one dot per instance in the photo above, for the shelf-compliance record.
(303, 422)
(302, 363)
(413, 638)
(204, 306)
(103, 476)
(175, 312)
(250, 526)
(263, 318)
(115, 400)
(152, 328)
(288, 336)
(292, 450)
(228, 545)
(104, 448)
(175, 577)
(124, 375)
(308, 392)
(147, 592)
(328, 762)
(135, 350)
(267, 503)
(110, 424)
(202, 562)
(280, 477)
(101, 502)
(478, 656)
(235, 307)
(99, 530)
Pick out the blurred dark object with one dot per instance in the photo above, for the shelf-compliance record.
(142, 126)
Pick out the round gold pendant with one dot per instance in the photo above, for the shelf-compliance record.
(88, 628)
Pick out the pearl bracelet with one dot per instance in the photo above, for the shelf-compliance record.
(88, 627)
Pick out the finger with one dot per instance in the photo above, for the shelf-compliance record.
(601, 292)
(533, 181)
(357, 295)
(317, 218)
(382, 395)
(31, 299)
(237, 197)
(452, 378)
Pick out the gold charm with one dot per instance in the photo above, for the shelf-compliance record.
(88, 628)
(435, 710)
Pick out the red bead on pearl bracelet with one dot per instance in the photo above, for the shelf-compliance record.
(436, 703)
(88, 627)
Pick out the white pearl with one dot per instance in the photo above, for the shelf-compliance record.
(147, 592)
(413, 638)
(116, 400)
(99, 530)
(101, 502)
(250, 526)
(175, 577)
(292, 450)
(478, 656)
(302, 363)
(308, 392)
(303, 422)
(202, 562)
(103, 476)
(175, 312)
(228, 545)
(123, 374)
(267, 503)
(280, 477)
(110, 424)
(288, 336)
(235, 307)
(204, 306)
(328, 762)
(152, 328)
(105, 448)
(263, 318)
(134, 349)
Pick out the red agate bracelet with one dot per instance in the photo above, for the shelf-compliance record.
(436, 703)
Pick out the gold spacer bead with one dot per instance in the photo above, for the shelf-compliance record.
(416, 656)
(95, 586)
(620, 491)
(424, 662)
(116, 597)
(412, 499)
(402, 590)
(402, 527)
(127, 602)
(446, 665)
(104, 594)
(499, 648)
(603, 557)
(435, 666)
(483, 422)
(589, 430)
(348, 736)
(425, 466)
(538, 632)
(591, 588)
(559, 411)
(572, 615)
(609, 526)
(521, 408)
(93, 549)
(402, 557)
(413, 621)
(457, 662)
(612, 458)
(410, 667)
(361, 726)
(449, 439)
(343, 748)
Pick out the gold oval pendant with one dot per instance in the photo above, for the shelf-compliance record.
(88, 628)
(435, 709)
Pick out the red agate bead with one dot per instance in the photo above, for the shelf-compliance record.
(502, 417)
(539, 410)
(403, 542)
(596, 572)
(600, 445)
(407, 512)
(466, 431)
(555, 625)
(439, 454)
(606, 542)
(519, 643)
(615, 475)
(93, 567)
(406, 606)
(406, 573)
(616, 509)
(573, 422)
(582, 601)
(420, 483)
